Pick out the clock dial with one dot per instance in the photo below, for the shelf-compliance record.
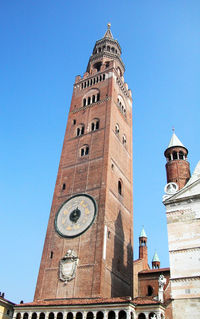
(76, 215)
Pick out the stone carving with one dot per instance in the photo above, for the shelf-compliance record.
(161, 282)
(68, 265)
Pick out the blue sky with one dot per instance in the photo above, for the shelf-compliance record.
(44, 45)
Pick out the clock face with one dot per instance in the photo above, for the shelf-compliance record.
(76, 215)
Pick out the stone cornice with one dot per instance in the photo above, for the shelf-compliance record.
(184, 250)
(184, 279)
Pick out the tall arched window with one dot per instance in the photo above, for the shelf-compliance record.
(34, 315)
(84, 150)
(117, 128)
(18, 315)
(42, 315)
(70, 315)
(120, 187)
(79, 315)
(95, 125)
(99, 315)
(51, 315)
(80, 130)
(60, 315)
(111, 315)
(25, 316)
(122, 314)
(141, 316)
(90, 315)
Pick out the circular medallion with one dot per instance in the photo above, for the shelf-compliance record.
(76, 215)
(171, 188)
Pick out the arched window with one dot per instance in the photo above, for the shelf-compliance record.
(99, 315)
(149, 290)
(90, 315)
(79, 315)
(70, 315)
(95, 125)
(141, 316)
(51, 315)
(113, 49)
(181, 155)
(93, 98)
(84, 150)
(124, 140)
(25, 316)
(98, 97)
(111, 315)
(175, 155)
(80, 130)
(116, 128)
(18, 315)
(89, 98)
(122, 314)
(84, 102)
(42, 315)
(60, 315)
(120, 187)
(34, 315)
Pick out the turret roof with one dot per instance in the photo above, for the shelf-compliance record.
(175, 141)
(143, 234)
(155, 257)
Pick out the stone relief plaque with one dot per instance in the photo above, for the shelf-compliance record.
(68, 265)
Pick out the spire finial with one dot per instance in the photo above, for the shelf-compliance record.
(173, 129)
(109, 25)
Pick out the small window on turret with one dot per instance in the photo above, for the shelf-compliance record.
(181, 155)
(97, 66)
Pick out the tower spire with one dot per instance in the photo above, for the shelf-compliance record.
(108, 33)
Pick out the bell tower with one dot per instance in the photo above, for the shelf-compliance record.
(88, 246)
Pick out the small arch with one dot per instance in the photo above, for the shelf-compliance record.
(42, 315)
(18, 315)
(91, 82)
(122, 314)
(152, 314)
(97, 66)
(111, 315)
(70, 315)
(90, 315)
(120, 187)
(80, 130)
(93, 98)
(89, 99)
(84, 150)
(100, 78)
(104, 76)
(116, 128)
(175, 157)
(84, 84)
(79, 315)
(149, 290)
(63, 186)
(124, 140)
(88, 83)
(95, 125)
(181, 155)
(99, 315)
(113, 50)
(142, 316)
(51, 315)
(84, 102)
(59, 315)
(51, 257)
(94, 80)
(25, 316)
(98, 97)
(132, 316)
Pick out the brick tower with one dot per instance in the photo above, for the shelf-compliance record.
(88, 247)
(177, 166)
